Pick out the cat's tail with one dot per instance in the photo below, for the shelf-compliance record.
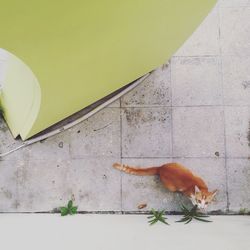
(137, 171)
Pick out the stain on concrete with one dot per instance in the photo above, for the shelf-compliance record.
(246, 84)
(246, 173)
(60, 144)
(6, 193)
(3, 126)
(16, 204)
(140, 185)
(136, 117)
(84, 196)
(22, 176)
(102, 127)
(217, 153)
(192, 61)
(133, 116)
(248, 134)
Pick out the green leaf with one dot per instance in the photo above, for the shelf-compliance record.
(152, 223)
(161, 213)
(73, 210)
(202, 215)
(157, 216)
(183, 219)
(163, 220)
(64, 211)
(190, 219)
(70, 204)
(184, 209)
(191, 214)
(197, 218)
(150, 217)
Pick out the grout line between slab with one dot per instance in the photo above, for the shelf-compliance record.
(224, 116)
(184, 106)
(171, 111)
(120, 154)
(149, 157)
(185, 157)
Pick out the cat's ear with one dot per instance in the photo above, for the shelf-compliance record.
(196, 189)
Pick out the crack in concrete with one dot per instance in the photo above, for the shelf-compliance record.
(102, 127)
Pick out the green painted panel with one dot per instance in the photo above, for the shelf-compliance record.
(80, 51)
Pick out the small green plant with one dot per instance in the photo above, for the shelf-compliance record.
(243, 211)
(191, 214)
(157, 216)
(69, 209)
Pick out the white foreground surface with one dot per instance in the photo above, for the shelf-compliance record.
(118, 232)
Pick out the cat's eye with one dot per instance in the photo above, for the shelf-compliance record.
(199, 201)
(206, 202)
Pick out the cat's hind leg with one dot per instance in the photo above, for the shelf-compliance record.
(170, 186)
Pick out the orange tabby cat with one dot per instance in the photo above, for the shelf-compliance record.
(177, 178)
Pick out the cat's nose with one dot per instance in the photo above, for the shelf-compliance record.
(201, 207)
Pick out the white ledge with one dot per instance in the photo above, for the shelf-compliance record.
(113, 232)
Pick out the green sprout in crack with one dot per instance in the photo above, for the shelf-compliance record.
(69, 209)
(157, 216)
(243, 211)
(191, 214)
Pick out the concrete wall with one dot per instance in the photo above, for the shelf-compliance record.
(196, 111)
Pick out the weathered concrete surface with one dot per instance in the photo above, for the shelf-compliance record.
(196, 111)
(155, 91)
(186, 85)
(98, 136)
(198, 131)
(146, 132)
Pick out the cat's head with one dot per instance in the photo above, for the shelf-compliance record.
(202, 199)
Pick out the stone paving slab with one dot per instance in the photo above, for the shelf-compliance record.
(42, 185)
(153, 91)
(238, 131)
(198, 132)
(191, 89)
(95, 184)
(99, 135)
(238, 184)
(58, 148)
(146, 132)
(235, 31)
(8, 186)
(236, 80)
